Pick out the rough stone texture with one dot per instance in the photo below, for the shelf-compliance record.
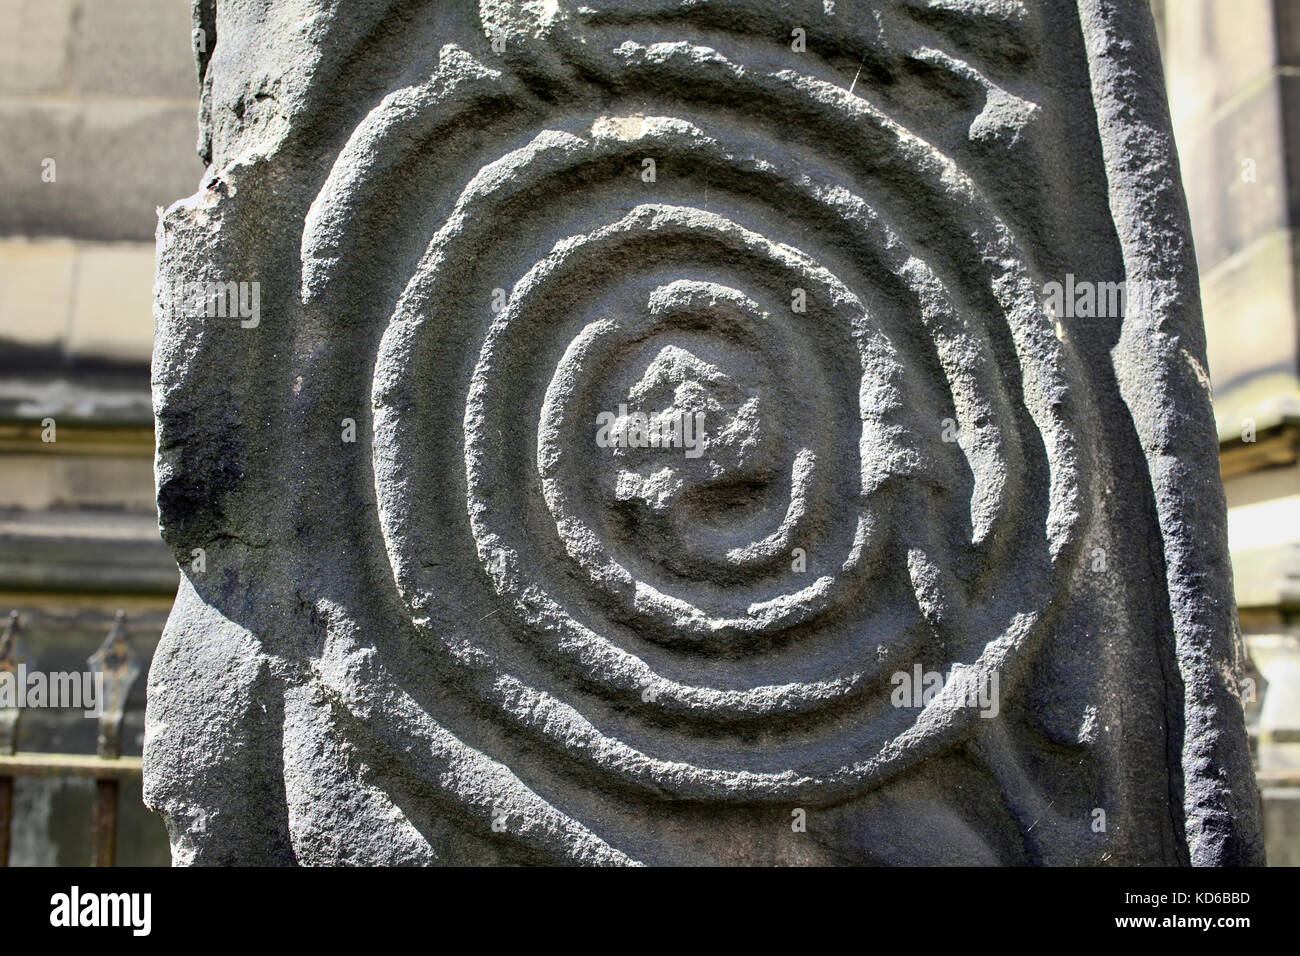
(475, 635)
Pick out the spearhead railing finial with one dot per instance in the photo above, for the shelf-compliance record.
(12, 656)
(119, 666)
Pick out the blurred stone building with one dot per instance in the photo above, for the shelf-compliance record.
(97, 128)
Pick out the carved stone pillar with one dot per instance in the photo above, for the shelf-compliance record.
(663, 432)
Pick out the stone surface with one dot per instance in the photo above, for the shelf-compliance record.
(92, 142)
(106, 91)
(111, 303)
(1233, 91)
(80, 301)
(439, 620)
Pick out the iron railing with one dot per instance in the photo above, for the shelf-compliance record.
(107, 767)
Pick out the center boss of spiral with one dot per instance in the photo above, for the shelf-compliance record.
(674, 464)
(688, 451)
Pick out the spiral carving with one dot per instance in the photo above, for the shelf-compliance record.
(641, 388)
(888, 467)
